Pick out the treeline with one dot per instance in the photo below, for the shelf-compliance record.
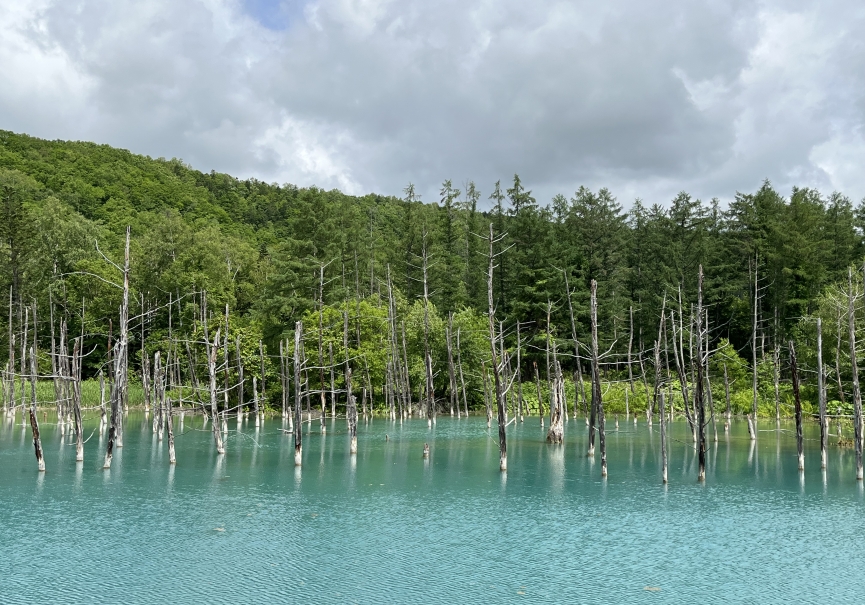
(276, 254)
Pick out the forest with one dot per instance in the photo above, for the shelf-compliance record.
(376, 278)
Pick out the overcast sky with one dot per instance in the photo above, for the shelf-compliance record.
(644, 97)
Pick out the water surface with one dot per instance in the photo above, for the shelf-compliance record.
(390, 526)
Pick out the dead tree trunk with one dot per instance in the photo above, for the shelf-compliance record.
(519, 378)
(255, 409)
(430, 405)
(160, 383)
(579, 377)
(776, 361)
(263, 358)
(298, 443)
(103, 416)
(540, 398)
(838, 361)
(699, 388)
(76, 401)
(683, 378)
(663, 433)
(857, 396)
(406, 373)
(794, 372)
(556, 434)
(351, 412)
(34, 423)
(821, 393)
(727, 396)
(451, 370)
(500, 407)
(754, 352)
(240, 378)
(282, 382)
(597, 400)
(462, 379)
(213, 351)
(115, 430)
(321, 395)
(333, 383)
(630, 347)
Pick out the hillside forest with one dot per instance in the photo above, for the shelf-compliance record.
(380, 280)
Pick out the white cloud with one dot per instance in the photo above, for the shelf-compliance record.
(646, 98)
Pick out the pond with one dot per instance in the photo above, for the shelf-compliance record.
(390, 526)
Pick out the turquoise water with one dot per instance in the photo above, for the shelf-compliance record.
(391, 527)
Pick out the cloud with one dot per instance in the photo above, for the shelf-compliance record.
(646, 98)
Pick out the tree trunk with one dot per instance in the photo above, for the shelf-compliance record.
(214, 404)
(351, 412)
(430, 394)
(597, 399)
(821, 393)
(754, 351)
(282, 382)
(76, 401)
(487, 404)
(333, 384)
(699, 390)
(582, 391)
(727, 396)
(857, 397)
(663, 437)
(794, 372)
(503, 446)
(776, 361)
(34, 423)
(462, 379)
(115, 430)
(540, 398)
(240, 378)
(452, 380)
(321, 389)
(556, 434)
(298, 442)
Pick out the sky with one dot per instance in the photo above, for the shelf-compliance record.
(645, 97)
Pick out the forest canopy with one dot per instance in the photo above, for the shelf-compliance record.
(259, 248)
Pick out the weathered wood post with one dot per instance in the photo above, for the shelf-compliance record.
(794, 372)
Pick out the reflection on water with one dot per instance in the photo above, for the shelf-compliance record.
(359, 528)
